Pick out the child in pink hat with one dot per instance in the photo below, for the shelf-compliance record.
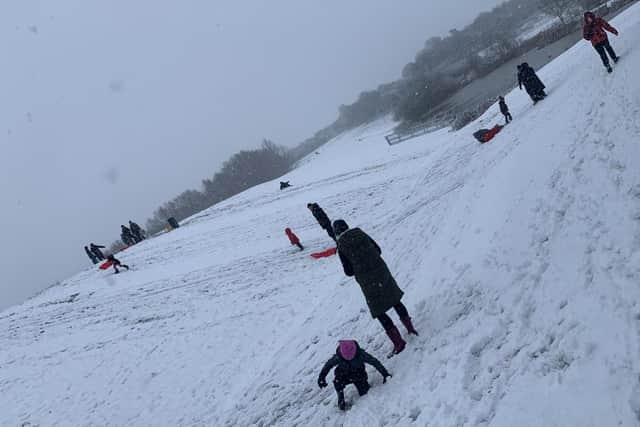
(349, 362)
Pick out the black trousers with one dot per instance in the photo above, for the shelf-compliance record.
(507, 116)
(603, 48)
(386, 321)
(362, 385)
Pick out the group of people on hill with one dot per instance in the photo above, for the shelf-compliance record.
(132, 234)
(594, 30)
(361, 258)
(129, 235)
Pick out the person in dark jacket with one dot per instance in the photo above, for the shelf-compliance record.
(115, 263)
(284, 184)
(532, 83)
(91, 255)
(96, 251)
(360, 257)
(595, 30)
(293, 238)
(136, 231)
(322, 218)
(504, 109)
(349, 362)
(127, 236)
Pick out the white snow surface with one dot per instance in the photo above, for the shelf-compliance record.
(520, 260)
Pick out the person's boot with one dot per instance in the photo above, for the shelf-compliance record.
(395, 337)
(341, 403)
(609, 69)
(406, 321)
(616, 59)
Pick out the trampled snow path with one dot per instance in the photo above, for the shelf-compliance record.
(520, 260)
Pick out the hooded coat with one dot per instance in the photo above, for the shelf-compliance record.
(292, 236)
(595, 28)
(528, 77)
(354, 369)
(360, 257)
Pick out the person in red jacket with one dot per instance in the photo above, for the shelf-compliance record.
(595, 30)
(293, 238)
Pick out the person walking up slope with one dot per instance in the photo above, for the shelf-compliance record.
(349, 362)
(293, 238)
(322, 218)
(595, 30)
(504, 109)
(115, 263)
(360, 257)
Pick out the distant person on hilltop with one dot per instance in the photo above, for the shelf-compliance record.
(532, 83)
(595, 30)
(115, 263)
(96, 251)
(504, 109)
(91, 255)
(284, 184)
(322, 218)
(293, 238)
(349, 362)
(127, 236)
(360, 257)
(136, 231)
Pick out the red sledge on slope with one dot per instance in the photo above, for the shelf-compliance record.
(486, 135)
(325, 254)
(105, 265)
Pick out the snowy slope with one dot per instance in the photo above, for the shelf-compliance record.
(520, 260)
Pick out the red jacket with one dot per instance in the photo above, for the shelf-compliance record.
(594, 28)
(292, 237)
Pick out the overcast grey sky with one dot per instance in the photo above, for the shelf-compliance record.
(109, 108)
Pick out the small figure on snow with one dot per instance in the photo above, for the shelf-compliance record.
(136, 231)
(91, 255)
(532, 83)
(504, 109)
(96, 251)
(284, 184)
(595, 30)
(322, 218)
(360, 257)
(349, 362)
(293, 238)
(127, 236)
(115, 263)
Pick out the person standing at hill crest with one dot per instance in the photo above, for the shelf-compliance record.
(595, 30)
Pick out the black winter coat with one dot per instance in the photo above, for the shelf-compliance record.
(354, 369)
(360, 257)
(503, 107)
(528, 77)
(321, 216)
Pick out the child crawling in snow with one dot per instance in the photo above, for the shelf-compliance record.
(349, 362)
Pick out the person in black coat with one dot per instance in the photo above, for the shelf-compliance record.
(115, 263)
(532, 83)
(360, 257)
(127, 236)
(96, 251)
(322, 218)
(504, 109)
(91, 255)
(349, 362)
(136, 231)
(284, 184)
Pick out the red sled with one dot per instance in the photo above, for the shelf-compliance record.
(325, 254)
(105, 265)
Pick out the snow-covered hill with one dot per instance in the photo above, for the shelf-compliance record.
(520, 260)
